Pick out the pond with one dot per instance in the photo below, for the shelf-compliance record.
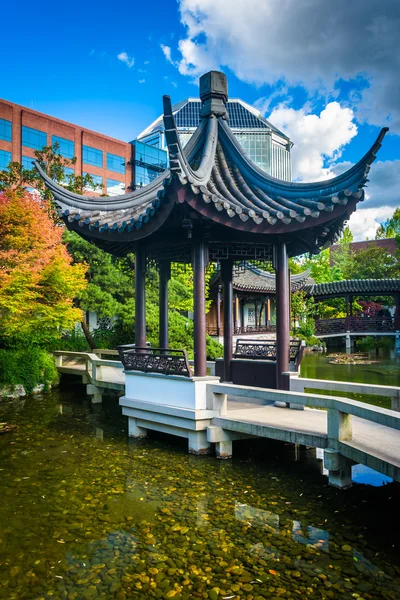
(384, 370)
(87, 513)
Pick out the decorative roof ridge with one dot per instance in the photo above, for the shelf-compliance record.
(138, 197)
(347, 180)
(353, 286)
(206, 139)
(294, 277)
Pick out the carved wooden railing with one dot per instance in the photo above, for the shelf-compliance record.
(255, 329)
(354, 325)
(155, 360)
(248, 329)
(326, 326)
(266, 350)
(376, 324)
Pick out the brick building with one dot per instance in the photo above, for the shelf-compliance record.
(109, 161)
(389, 244)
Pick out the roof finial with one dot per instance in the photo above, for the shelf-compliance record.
(213, 94)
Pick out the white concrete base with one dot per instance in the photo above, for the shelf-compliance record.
(134, 430)
(197, 443)
(95, 393)
(170, 404)
(339, 468)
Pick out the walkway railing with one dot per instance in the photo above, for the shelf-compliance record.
(337, 442)
(299, 384)
(93, 370)
(354, 325)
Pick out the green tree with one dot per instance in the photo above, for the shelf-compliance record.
(390, 228)
(373, 263)
(342, 255)
(321, 269)
(18, 178)
(37, 280)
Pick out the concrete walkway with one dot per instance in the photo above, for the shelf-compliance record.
(359, 432)
(310, 427)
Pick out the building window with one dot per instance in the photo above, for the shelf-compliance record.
(27, 163)
(150, 162)
(144, 175)
(5, 130)
(5, 159)
(92, 156)
(33, 138)
(67, 171)
(97, 183)
(115, 188)
(66, 147)
(115, 163)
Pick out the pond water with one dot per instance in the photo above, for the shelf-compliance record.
(87, 513)
(384, 370)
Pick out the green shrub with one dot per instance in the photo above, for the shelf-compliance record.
(214, 349)
(73, 341)
(28, 367)
(368, 343)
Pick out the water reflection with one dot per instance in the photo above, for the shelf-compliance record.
(87, 513)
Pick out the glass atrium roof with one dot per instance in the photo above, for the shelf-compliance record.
(241, 116)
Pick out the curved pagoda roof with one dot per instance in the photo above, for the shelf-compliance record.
(212, 189)
(252, 279)
(352, 286)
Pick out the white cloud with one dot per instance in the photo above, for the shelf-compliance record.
(382, 197)
(365, 221)
(125, 58)
(318, 144)
(317, 138)
(313, 43)
(167, 53)
(142, 81)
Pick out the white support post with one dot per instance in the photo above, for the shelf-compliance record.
(220, 403)
(59, 360)
(95, 393)
(134, 430)
(339, 426)
(339, 468)
(223, 449)
(198, 443)
(396, 402)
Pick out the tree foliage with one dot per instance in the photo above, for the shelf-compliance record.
(18, 178)
(37, 280)
(390, 228)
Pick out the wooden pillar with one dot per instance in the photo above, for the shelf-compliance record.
(347, 297)
(140, 297)
(236, 312)
(199, 264)
(242, 313)
(165, 275)
(219, 311)
(267, 311)
(255, 313)
(282, 315)
(397, 312)
(226, 272)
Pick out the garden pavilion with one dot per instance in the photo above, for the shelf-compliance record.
(214, 204)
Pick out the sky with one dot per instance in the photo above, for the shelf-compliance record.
(326, 73)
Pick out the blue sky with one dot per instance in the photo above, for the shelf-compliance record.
(292, 60)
